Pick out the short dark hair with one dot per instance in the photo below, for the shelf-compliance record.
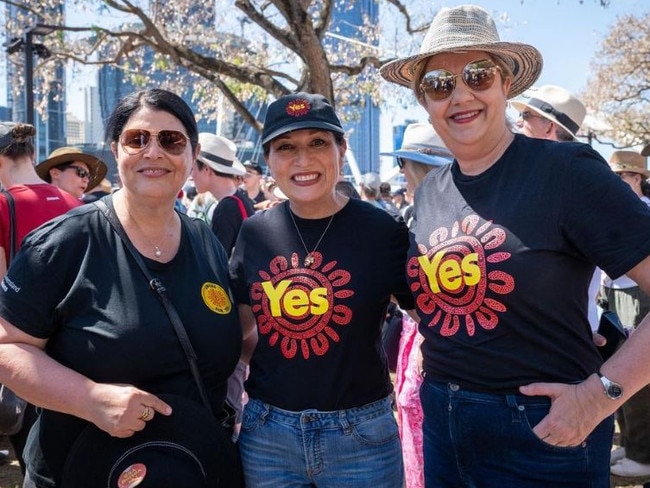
(157, 99)
(200, 164)
(253, 166)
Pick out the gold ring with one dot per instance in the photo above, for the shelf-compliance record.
(145, 413)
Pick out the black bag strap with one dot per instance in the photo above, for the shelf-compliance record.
(12, 224)
(159, 289)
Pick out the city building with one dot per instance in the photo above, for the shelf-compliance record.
(50, 127)
(362, 130)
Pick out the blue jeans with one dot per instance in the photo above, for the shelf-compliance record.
(358, 447)
(480, 440)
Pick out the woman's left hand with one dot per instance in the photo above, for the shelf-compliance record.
(576, 410)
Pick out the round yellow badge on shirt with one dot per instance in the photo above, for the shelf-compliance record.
(216, 298)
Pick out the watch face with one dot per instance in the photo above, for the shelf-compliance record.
(614, 390)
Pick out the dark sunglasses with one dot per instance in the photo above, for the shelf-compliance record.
(81, 173)
(439, 84)
(137, 140)
(527, 115)
(400, 163)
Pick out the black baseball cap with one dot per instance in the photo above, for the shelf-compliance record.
(299, 111)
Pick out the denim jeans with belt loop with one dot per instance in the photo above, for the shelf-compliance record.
(357, 447)
(484, 440)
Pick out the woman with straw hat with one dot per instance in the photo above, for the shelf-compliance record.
(503, 245)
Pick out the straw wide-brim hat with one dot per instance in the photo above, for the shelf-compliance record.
(468, 28)
(67, 154)
(628, 162)
(555, 104)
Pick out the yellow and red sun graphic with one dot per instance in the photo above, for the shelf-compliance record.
(450, 280)
(299, 309)
(298, 107)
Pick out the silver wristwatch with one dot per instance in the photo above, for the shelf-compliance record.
(612, 389)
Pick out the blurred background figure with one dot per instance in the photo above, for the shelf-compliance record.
(422, 151)
(214, 171)
(72, 170)
(104, 188)
(623, 296)
(35, 202)
(550, 112)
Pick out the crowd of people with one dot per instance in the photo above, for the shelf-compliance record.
(235, 335)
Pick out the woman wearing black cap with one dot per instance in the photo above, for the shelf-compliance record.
(316, 274)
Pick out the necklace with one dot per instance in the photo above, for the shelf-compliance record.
(157, 251)
(309, 258)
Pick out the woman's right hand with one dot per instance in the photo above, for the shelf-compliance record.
(122, 410)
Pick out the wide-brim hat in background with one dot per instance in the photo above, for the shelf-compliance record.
(220, 154)
(68, 154)
(422, 144)
(468, 28)
(628, 162)
(646, 150)
(555, 104)
(299, 111)
(186, 449)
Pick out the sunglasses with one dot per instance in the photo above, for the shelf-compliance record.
(527, 115)
(439, 84)
(137, 140)
(81, 173)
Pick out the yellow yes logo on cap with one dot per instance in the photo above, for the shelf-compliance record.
(216, 298)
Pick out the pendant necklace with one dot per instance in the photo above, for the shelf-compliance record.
(157, 251)
(309, 258)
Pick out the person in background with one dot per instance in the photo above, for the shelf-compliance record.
(253, 182)
(369, 189)
(104, 188)
(316, 273)
(631, 304)
(504, 242)
(97, 347)
(399, 199)
(550, 112)
(72, 170)
(386, 197)
(347, 189)
(422, 151)
(35, 202)
(215, 170)
(553, 113)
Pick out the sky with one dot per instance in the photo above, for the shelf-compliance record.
(566, 32)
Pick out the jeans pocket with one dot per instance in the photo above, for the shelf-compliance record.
(376, 431)
(533, 415)
(251, 419)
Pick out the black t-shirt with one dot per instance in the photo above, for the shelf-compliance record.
(74, 283)
(500, 263)
(228, 217)
(319, 328)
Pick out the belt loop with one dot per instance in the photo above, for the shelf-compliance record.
(266, 410)
(345, 423)
(515, 408)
